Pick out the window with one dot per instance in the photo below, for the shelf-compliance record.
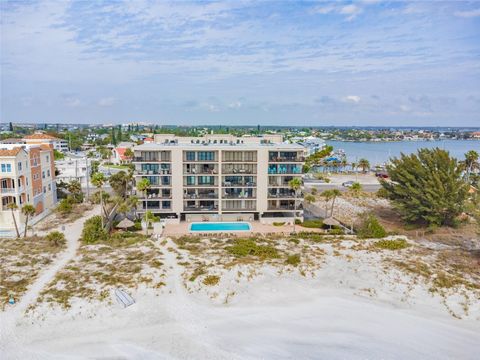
(206, 156)
(190, 156)
(6, 168)
(48, 173)
(190, 180)
(44, 189)
(20, 166)
(26, 181)
(43, 174)
(48, 158)
(49, 187)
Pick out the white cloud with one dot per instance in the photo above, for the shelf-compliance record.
(72, 102)
(105, 102)
(468, 13)
(351, 10)
(235, 105)
(352, 99)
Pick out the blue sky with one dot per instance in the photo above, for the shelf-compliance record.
(241, 62)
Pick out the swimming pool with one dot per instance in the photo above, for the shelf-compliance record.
(220, 226)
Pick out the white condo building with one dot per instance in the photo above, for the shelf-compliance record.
(219, 177)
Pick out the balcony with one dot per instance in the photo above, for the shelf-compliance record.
(238, 196)
(201, 195)
(239, 183)
(282, 195)
(201, 208)
(10, 190)
(153, 172)
(282, 207)
(287, 159)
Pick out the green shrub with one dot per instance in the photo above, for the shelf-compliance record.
(313, 224)
(314, 191)
(336, 231)
(92, 230)
(56, 238)
(298, 222)
(293, 260)
(65, 206)
(278, 223)
(395, 244)
(138, 225)
(246, 247)
(211, 280)
(371, 228)
(316, 237)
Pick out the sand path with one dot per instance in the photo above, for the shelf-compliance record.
(9, 318)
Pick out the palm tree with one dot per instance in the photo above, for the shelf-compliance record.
(27, 210)
(327, 194)
(98, 180)
(364, 164)
(143, 185)
(335, 193)
(12, 206)
(128, 153)
(470, 163)
(295, 184)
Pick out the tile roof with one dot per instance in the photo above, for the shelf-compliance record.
(40, 137)
(10, 152)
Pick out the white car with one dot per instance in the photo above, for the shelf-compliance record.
(348, 183)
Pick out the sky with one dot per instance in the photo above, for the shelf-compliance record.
(375, 63)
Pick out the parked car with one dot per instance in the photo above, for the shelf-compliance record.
(381, 175)
(348, 183)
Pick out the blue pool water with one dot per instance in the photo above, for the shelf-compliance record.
(220, 226)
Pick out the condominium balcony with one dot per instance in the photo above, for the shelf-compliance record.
(282, 207)
(200, 195)
(282, 195)
(154, 172)
(285, 156)
(239, 196)
(11, 190)
(152, 159)
(284, 169)
(233, 170)
(239, 183)
(239, 205)
(206, 208)
(197, 169)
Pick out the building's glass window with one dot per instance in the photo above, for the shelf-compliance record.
(206, 156)
(190, 180)
(48, 172)
(166, 204)
(48, 158)
(49, 187)
(43, 174)
(20, 166)
(190, 155)
(6, 168)
(44, 189)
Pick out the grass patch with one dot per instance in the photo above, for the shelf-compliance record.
(313, 224)
(293, 260)
(396, 244)
(211, 280)
(248, 247)
(278, 223)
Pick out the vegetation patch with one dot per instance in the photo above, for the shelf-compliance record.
(313, 224)
(293, 260)
(278, 223)
(371, 228)
(211, 280)
(248, 247)
(396, 244)
(21, 262)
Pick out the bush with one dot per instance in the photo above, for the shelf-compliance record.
(246, 247)
(314, 191)
(315, 224)
(278, 223)
(65, 206)
(371, 228)
(396, 244)
(138, 225)
(293, 260)
(298, 222)
(92, 230)
(336, 231)
(56, 238)
(211, 280)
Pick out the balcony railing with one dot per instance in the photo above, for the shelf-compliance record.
(281, 207)
(10, 190)
(200, 196)
(238, 183)
(154, 159)
(287, 159)
(200, 208)
(282, 196)
(238, 196)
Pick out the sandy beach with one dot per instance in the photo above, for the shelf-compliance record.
(347, 309)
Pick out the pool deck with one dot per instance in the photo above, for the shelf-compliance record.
(184, 229)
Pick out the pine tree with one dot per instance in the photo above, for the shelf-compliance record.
(11, 126)
(427, 187)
